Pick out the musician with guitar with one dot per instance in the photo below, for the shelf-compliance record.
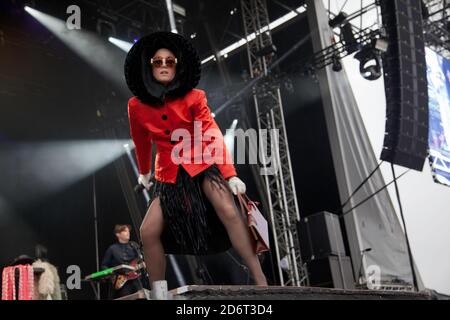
(124, 252)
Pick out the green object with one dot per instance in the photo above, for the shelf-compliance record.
(102, 273)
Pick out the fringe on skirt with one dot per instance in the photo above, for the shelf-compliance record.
(191, 225)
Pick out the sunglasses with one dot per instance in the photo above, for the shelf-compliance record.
(159, 62)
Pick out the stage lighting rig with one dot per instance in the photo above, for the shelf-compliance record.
(347, 35)
(370, 62)
(336, 63)
(338, 20)
(267, 50)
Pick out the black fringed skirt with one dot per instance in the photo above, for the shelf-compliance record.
(191, 225)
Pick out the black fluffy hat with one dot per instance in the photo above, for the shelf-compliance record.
(138, 72)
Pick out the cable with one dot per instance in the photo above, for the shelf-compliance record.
(361, 184)
(404, 228)
(374, 194)
(342, 8)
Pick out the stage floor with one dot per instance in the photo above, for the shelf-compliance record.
(289, 293)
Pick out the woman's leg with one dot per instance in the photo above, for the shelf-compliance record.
(151, 230)
(223, 203)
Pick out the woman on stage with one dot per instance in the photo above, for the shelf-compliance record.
(192, 210)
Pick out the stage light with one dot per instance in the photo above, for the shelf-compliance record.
(348, 37)
(381, 45)
(370, 63)
(267, 50)
(27, 4)
(337, 65)
(338, 20)
(134, 34)
(30, 9)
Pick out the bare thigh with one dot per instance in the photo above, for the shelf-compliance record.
(153, 223)
(222, 201)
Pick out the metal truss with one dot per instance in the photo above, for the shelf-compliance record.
(141, 15)
(363, 34)
(340, 50)
(280, 188)
(437, 26)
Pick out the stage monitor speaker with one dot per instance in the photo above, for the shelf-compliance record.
(405, 78)
(320, 235)
(331, 272)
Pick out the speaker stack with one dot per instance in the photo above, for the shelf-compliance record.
(405, 77)
(322, 248)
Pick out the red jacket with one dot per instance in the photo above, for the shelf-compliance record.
(157, 124)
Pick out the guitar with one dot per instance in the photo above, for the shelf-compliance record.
(121, 279)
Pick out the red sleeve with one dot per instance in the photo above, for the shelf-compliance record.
(141, 139)
(202, 113)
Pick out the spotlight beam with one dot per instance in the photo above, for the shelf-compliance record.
(124, 45)
(89, 46)
(229, 137)
(56, 165)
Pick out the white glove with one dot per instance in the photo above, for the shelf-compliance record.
(237, 185)
(144, 180)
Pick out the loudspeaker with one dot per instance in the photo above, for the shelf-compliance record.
(320, 236)
(331, 272)
(405, 77)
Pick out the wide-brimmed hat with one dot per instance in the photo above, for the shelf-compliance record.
(138, 72)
